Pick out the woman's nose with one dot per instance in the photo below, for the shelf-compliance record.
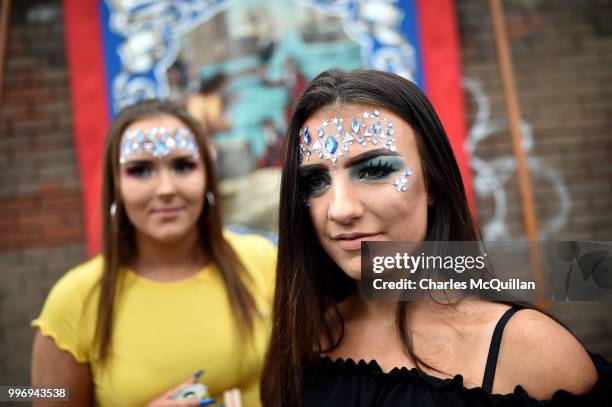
(344, 206)
(165, 186)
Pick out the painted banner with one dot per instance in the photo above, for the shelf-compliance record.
(121, 51)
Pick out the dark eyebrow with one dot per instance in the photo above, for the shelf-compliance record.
(138, 162)
(368, 155)
(186, 157)
(306, 170)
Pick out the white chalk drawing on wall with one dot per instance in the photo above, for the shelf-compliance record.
(490, 176)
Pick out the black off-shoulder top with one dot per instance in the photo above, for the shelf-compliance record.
(346, 383)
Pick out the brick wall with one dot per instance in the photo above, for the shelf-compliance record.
(562, 55)
(563, 60)
(41, 223)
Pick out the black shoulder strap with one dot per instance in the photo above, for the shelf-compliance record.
(489, 374)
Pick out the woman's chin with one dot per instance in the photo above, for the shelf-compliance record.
(170, 236)
(352, 270)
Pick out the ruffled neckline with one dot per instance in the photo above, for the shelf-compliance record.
(602, 388)
(372, 368)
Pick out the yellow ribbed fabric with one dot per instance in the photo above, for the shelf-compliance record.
(165, 331)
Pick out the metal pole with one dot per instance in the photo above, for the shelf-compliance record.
(514, 118)
(4, 28)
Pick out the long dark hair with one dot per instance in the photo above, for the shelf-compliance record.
(308, 282)
(119, 243)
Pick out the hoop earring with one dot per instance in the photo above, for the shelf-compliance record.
(113, 210)
(210, 198)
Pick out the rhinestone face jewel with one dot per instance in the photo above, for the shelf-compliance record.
(157, 142)
(370, 128)
(331, 144)
(306, 136)
(401, 183)
(377, 126)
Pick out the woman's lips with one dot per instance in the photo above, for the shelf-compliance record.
(167, 212)
(353, 242)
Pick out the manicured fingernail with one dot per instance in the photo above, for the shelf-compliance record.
(206, 402)
(198, 373)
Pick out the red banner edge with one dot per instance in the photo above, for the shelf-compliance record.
(440, 47)
(83, 40)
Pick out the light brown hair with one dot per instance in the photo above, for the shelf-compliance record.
(119, 244)
(309, 285)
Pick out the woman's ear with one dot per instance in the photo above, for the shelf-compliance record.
(430, 199)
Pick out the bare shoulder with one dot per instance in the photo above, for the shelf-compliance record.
(543, 357)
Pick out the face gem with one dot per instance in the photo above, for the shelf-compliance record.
(377, 126)
(347, 137)
(160, 147)
(363, 132)
(331, 144)
(307, 136)
(156, 142)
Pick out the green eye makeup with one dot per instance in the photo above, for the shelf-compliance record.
(376, 169)
(315, 179)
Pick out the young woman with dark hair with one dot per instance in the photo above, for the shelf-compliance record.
(172, 292)
(367, 159)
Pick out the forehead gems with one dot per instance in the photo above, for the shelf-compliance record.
(158, 142)
(334, 138)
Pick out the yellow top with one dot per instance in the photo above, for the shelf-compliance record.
(165, 331)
